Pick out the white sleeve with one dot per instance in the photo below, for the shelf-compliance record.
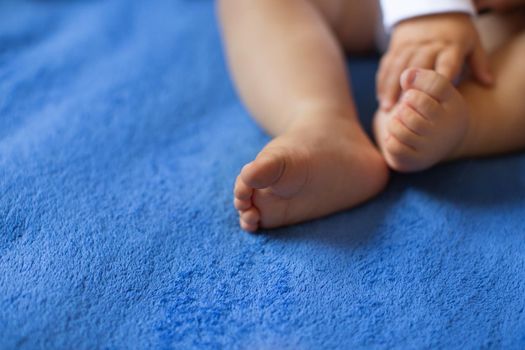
(395, 11)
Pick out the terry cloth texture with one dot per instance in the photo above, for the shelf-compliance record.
(120, 139)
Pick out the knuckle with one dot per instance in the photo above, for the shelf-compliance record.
(448, 69)
(438, 84)
(392, 92)
(400, 61)
(446, 64)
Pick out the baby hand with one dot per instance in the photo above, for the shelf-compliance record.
(440, 42)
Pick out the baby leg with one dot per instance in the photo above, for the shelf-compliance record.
(497, 115)
(287, 61)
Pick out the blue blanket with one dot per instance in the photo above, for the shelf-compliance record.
(120, 138)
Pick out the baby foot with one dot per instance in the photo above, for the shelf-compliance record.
(426, 126)
(314, 169)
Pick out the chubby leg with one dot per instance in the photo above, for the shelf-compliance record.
(497, 116)
(287, 61)
(434, 121)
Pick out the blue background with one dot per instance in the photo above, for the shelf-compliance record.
(120, 138)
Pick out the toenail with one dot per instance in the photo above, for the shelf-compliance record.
(411, 75)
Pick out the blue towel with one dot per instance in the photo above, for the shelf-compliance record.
(120, 138)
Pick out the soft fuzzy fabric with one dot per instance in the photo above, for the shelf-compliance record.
(120, 138)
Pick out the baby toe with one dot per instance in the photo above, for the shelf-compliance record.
(247, 227)
(399, 156)
(402, 133)
(241, 204)
(250, 216)
(241, 190)
(414, 120)
(425, 105)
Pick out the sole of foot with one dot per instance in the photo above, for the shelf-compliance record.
(426, 126)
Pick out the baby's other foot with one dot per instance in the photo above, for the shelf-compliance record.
(314, 169)
(426, 126)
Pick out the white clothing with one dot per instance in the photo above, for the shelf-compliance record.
(395, 11)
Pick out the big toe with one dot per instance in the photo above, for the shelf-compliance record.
(264, 171)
